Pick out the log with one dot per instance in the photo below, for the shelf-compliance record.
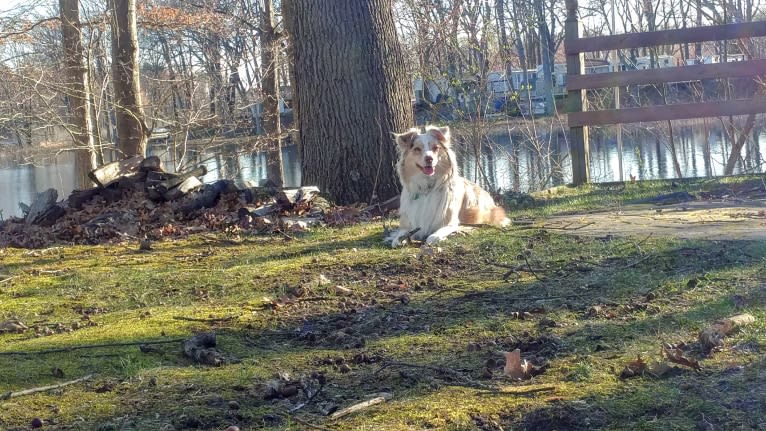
(50, 216)
(182, 189)
(208, 197)
(256, 194)
(42, 203)
(153, 178)
(383, 207)
(152, 163)
(78, 198)
(291, 197)
(170, 183)
(110, 172)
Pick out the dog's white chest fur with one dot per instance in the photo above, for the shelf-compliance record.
(427, 207)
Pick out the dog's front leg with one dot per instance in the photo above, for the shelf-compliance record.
(397, 237)
(442, 233)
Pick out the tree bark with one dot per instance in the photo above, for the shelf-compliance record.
(132, 130)
(353, 92)
(270, 85)
(77, 90)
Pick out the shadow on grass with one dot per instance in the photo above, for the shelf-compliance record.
(431, 322)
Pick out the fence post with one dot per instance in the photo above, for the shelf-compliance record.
(576, 100)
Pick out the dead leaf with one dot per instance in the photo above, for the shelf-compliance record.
(515, 367)
(676, 355)
(635, 368)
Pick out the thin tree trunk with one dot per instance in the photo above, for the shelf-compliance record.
(271, 121)
(736, 148)
(132, 130)
(77, 88)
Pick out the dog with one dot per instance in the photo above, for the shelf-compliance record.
(435, 199)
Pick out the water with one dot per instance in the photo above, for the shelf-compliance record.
(511, 162)
(21, 182)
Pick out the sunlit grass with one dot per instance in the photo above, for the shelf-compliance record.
(593, 304)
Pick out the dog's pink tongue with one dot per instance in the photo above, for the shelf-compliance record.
(428, 170)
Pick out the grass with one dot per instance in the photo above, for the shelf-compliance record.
(428, 330)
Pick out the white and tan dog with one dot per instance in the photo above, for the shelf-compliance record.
(435, 198)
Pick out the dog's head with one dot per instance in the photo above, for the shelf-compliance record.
(427, 154)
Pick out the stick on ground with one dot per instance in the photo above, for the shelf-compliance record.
(9, 395)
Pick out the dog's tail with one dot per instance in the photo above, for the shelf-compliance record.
(498, 217)
(475, 215)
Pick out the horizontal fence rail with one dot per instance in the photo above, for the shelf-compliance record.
(681, 111)
(695, 72)
(667, 37)
(580, 118)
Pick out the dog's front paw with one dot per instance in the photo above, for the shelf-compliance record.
(397, 239)
(434, 238)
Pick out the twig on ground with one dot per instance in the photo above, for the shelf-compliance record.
(9, 395)
(207, 320)
(88, 346)
(5, 280)
(520, 391)
(308, 401)
(530, 268)
(630, 265)
(360, 406)
(440, 370)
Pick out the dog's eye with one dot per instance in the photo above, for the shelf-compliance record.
(416, 150)
(435, 149)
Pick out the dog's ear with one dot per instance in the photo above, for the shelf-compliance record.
(405, 140)
(441, 134)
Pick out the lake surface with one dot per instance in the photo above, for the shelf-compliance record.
(508, 161)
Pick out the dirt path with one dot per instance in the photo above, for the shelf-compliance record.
(713, 220)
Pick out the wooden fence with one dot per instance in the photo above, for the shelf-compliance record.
(578, 83)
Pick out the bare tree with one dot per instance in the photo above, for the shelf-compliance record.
(132, 129)
(77, 90)
(271, 122)
(352, 94)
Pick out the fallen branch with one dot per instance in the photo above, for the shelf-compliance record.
(520, 391)
(452, 373)
(206, 320)
(9, 395)
(361, 406)
(308, 400)
(5, 280)
(89, 346)
(630, 265)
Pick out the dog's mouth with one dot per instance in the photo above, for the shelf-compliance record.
(427, 170)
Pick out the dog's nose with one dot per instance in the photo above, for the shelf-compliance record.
(429, 160)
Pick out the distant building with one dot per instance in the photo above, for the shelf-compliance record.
(718, 58)
(644, 63)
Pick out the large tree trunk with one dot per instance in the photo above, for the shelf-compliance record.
(353, 92)
(77, 89)
(271, 121)
(131, 121)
